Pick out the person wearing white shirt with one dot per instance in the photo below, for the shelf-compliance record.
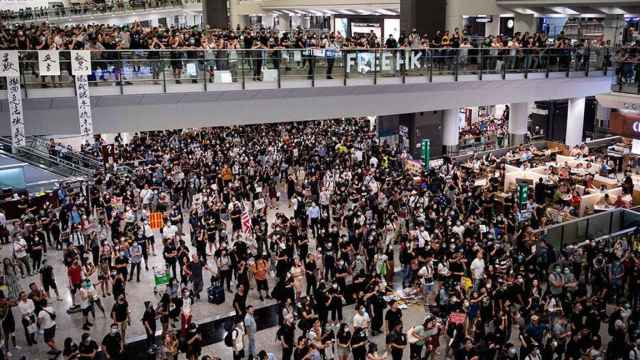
(48, 325)
(4, 233)
(149, 237)
(20, 252)
(237, 335)
(324, 198)
(169, 231)
(422, 236)
(373, 162)
(477, 270)
(361, 319)
(26, 307)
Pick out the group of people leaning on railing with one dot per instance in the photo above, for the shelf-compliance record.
(90, 7)
(226, 48)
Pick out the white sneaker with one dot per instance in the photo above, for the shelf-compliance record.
(18, 347)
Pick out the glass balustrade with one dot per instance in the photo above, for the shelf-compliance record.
(189, 70)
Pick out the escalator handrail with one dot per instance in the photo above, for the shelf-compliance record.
(83, 158)
(53, 159)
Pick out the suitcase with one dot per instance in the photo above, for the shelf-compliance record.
(215, 293)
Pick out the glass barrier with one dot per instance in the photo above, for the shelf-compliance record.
(165, 70)
(590, 227)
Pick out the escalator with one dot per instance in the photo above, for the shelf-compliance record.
(43, 159)
(80, 159)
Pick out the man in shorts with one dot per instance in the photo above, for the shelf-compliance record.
(46, 320)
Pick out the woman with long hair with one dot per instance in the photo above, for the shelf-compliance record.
(343, 339)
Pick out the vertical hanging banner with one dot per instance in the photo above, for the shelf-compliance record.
(10, 68)
(16, 116)
(48, 63)
(81, 68)
(84, 107)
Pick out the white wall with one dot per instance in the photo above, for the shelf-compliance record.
(457, 8)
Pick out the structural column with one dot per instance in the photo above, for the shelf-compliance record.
(518, 121)
(450, 131)
(575, 121)
(215, 13)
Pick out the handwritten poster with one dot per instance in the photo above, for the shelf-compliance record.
(84, 107)
(49, 62)
(16, 115)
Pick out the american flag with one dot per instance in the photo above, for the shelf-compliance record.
(246, 222)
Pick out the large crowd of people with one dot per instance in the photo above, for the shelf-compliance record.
(198, 50)
(318, 216)
(44, 13)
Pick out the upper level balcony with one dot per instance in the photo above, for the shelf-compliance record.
(178, 71)
(89, 12)
(165, 89)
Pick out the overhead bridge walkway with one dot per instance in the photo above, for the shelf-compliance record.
(148, 90)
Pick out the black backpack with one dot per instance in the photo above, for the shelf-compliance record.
(52, 315)
(228, 338)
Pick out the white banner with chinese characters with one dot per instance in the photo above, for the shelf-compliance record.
(16, 115)
(9, 64)
(48, 63)
(84, 107)
(80, 62)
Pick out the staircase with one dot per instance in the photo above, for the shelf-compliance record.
(43, 159)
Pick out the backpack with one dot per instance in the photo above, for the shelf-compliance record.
(51, 315)
(627, 353)
(228, 338)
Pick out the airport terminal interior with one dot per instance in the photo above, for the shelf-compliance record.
(320, 179)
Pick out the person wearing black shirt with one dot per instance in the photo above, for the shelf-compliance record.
(286, 337)
(240, 302)
(70, 351)
(194, 342)
(343, 339)
(466, 352)
(35, 248)
(112, 344)
(378, 304)
(392, 317)
(310, 268)
(120, 314)
(149, 321)
(170, 253)
(121, 264)
(48, 278)
(359, 343)
(396, 341)
(88, 348)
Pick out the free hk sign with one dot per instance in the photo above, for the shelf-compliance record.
(365, 62)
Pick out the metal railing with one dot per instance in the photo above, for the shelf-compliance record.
(75, 157)
(207, 70)
(42, 14)
(590, 227)
(627, 77)
(44, 159)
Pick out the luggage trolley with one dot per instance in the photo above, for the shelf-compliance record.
(161, 276)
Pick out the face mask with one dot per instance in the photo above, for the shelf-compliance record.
(114, 331)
